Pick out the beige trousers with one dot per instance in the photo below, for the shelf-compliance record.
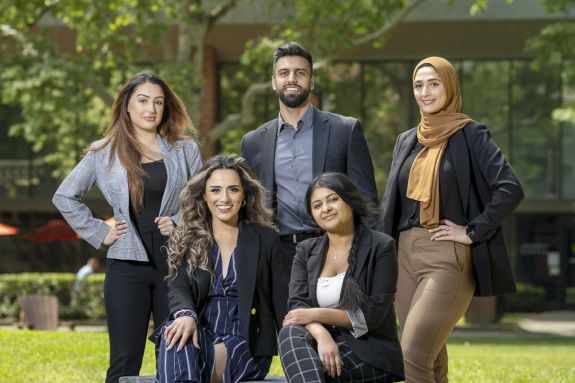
(434, 288)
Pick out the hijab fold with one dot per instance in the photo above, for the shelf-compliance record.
(433, 132)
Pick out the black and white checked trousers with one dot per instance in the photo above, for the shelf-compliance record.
(301, 363)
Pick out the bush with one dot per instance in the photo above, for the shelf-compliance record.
(88, 303)
(529, 298)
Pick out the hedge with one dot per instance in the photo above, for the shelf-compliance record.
(87, 303)
(529, 298)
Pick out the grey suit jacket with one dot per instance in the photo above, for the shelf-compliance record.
(181, 160)
(338, 146)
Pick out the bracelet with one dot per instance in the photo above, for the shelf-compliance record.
(187, 313)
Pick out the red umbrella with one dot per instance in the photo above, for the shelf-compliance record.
(8, 230)
(53, 230)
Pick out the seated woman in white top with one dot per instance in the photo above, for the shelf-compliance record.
(341, 322)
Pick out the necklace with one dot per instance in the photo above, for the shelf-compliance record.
(335, 255)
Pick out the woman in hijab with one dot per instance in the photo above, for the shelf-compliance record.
(448, 191)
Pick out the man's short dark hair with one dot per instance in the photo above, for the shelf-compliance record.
(292, 49)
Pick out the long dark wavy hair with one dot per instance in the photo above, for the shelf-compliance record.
(175, 125)
(353, 296)
(192, 239)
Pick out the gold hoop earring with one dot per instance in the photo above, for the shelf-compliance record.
(244, 203)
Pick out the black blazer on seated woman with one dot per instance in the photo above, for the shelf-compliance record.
(262, 287)
(489, 191)
(376, 274)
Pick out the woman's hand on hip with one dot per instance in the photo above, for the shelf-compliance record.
(165, 225)
(302, 317)
(449, 231)
(120, 228)
(328, 352)
(180, 330)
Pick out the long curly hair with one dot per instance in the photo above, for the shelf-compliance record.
(192, 239)
(175, 125)
(364, 214)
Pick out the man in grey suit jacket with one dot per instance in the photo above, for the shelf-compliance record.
(288, 152)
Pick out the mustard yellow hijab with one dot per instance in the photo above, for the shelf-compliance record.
(433, 133)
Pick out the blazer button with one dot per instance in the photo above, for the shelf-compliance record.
(253, 311)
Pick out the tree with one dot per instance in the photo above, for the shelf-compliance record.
(554, 48)
(64, 92)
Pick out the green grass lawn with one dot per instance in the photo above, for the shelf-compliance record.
(62, 357)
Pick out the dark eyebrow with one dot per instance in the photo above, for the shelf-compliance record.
(145, 95)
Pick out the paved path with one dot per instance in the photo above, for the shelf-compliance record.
(549, 323)
(545, 324)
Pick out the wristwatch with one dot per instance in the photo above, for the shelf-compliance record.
(470, 231)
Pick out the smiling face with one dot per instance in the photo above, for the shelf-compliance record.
(146, 107)
(330, 211)
(224, 195)
(429, 90)
(292, 81)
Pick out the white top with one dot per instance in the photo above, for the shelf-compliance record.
(329, 290)
(328, 294)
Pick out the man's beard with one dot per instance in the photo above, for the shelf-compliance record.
(293, 100)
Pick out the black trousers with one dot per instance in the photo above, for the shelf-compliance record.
(301, 363)
(133, 290)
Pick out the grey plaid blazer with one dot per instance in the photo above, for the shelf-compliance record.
(181, 160)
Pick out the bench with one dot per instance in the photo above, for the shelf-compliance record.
(152, 379)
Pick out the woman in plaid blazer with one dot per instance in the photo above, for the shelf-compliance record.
(140, 167)
(341, 324)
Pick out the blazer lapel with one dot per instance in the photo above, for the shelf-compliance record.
(269, 139)
(247, 262)
(321, 130)
(364, 245)
(459, 155)
(171, 164)
(314, 265)
(406, 147)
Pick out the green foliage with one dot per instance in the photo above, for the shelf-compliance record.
(528, 298)
(554, 50)
(326, 27)
(86, 303)
(65, 88)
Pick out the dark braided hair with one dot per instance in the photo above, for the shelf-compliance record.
(353, 296)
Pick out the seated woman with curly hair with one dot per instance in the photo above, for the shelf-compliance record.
(227, 280)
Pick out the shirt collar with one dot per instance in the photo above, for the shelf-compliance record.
(305, 121)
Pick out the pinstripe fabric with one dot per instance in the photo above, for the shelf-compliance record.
(181, 160)
(301, 361)
(219, 322)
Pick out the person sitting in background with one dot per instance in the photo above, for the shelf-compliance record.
(90, 267)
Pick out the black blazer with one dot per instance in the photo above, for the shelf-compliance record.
(262, 287)
(338, 146)
(376, 274)
(489, 191)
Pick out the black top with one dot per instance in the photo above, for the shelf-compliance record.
(154, 185)
(449, 198)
